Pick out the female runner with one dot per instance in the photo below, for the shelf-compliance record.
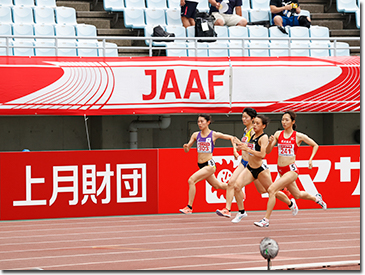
(205, 140)
(248, 116)
(288, 143)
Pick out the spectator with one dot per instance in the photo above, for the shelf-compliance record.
(188, 10)
(228, 18)
(283, 14)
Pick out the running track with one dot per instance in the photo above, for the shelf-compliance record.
(201, 241)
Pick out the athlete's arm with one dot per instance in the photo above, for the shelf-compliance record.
(272, 142)
(263, 143)
(188, 145)
(303, 137)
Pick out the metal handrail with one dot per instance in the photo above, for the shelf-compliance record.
(150, 47)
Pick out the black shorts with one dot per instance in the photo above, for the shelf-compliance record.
(210, 162)
(256, 171)
(188, 10)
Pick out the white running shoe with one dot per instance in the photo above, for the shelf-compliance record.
(321, 202)
(239, 217)
(294, 207)
(262, 223)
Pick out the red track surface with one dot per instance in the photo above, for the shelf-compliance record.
(179, 242)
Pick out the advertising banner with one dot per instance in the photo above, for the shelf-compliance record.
(38, 185)
(159, 85)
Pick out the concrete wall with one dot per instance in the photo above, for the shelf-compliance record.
(39, 133)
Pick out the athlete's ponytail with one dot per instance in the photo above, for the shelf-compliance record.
(293, 117)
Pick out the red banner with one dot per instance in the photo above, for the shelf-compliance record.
(35, 185)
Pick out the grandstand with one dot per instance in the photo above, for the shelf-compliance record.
(116, 23)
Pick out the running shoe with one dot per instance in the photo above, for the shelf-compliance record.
(224, 213)
(239, 217)
(186, 210)
(320, 201)
(294, 207)
(263, 223)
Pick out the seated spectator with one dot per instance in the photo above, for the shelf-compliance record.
(188, 10)
(227, 18)
(285, 14)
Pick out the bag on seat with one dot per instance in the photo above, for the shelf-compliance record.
(204, 26)
(158, 31)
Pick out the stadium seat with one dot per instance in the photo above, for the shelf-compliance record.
(173, 17)
(155, 17)
(44, 15)
(110, 49)
(5, 15)
(357, 18)
(24, 3)
(4, 50)
(87, 48)
(22, 15)
(5, 29)
(173, 4)
(258, 15)
(85, 30)
(65, 15)
(299, 48)
(342, 49)
(65, 31)
(202, 49)
(46, 3)
(237, 32)
(304, 13)
(299, 32)
(218, 48)
(278, 48)
(7, 3)
(44, 30)
(176, 49)
(346, 6)
(246, 5)
(134, 18)
(319, 32)
(323, 51)
(114, 5)
(135, 4)
(244, 14)
(25, 30)
(257, 32)
(67, 48)
(260, 4)
(179, 31)
(23, 48)
(203, 5)
(274, 32)
(44, 48)
(222, 31)
(254, 48)
(236, 49)
(157, 4)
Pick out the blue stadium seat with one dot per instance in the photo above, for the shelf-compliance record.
(157, 4)
(319, 32)
(5, 15)
(87, 48)
(246, 5)
(85, 30)
(44, 48)
(136, 4)
(176, 49)
(357, 18)
(22, 15)
(5, 29)
(23, 30)
(202, 49)
(179, 31)
(155, 17)
(260, 4)
(346, 6)
(299, 32)
(203, 5)
(236, 49)
(134, 18)
(46, 3)
(274, 32)
(173, 17)
(7, 3)
(259, 15)
(305, 13)
(278, 48)
(65, 31)
(114, 5)
(67, 48)
(24, 3)
(23, 48)
(222, 31)
(218, 48)
(190, 31)
(173, 4)
(258, 31)
(237, 32)
(322, 52)
(44, 15)
(110, 49)
(148, 31)
(65, 15)
(300, 48)
(342, 49)
(254, 48)
(44, 30)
